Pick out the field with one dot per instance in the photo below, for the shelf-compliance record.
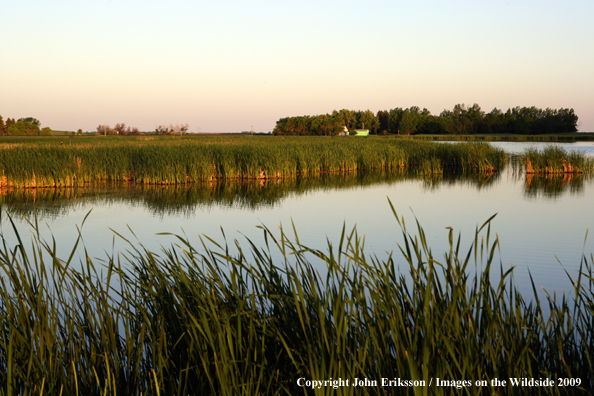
(199, 320)
(74, 161)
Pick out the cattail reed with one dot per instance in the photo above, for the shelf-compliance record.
(201, 320)
(184, 160)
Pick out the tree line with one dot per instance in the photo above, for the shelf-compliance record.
(23, 126)
(121, 129)
(460, 120)
(118, 129)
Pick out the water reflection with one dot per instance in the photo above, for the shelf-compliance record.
(553, 186)
(550, 186)
(184, 200)
(54, 203)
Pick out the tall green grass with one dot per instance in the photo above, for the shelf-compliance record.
(183, 160)
(236, 318)
(556, 160)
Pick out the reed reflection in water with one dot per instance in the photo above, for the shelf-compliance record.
(553, 186)
(184, 200)
(540, 223)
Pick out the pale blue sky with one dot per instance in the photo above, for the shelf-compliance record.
(227, 65)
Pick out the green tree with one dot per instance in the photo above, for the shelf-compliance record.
(23, 128)
(9, 123)
(494, 122)
(394, 122)
(46, 131)
(409, 122)
(347, 118)
(31, 120)
(433, 125)
(2, 126)
(369, 121)
(476, 118)
(383, 117)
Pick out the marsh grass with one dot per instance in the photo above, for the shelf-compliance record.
(201, 320)
(554, 160)
(184, 160)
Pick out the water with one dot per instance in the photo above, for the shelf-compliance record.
(519, 147)
(541, 223)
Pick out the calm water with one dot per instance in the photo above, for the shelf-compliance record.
(541, 223)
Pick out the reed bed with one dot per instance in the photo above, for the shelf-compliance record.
(184, 160)
(555, 160)
(201, 320)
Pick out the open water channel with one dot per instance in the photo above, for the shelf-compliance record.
(541, 222)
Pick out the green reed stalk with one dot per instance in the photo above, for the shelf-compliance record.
(190, 159)
(555, 160)
(230, 318)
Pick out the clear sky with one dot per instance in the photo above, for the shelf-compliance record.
(223, 66)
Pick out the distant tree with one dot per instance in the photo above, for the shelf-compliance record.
(9, 123)
(132, 131)
(105, 130)
(460, 120)
(370, 121)
(79, 132)
(493, 121)
(179, 128)
(102, 129)
(23, 128)
(433, 125)
(383, 117)
(298, 126)
(394, 121)
(164, 130)
(46, 131)
(409, 122)
(332, 126)
(568, 120)
(346, 117)
(30, 120)
(120, 128)
(476, 118)
(2, 126)
(316, 125)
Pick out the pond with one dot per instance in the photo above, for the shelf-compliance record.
(541, 222)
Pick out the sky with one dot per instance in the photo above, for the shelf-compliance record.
(228, 66)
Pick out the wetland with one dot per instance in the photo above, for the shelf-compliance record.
(312, 251)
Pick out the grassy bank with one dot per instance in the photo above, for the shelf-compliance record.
(181, 160)
(198, 320)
